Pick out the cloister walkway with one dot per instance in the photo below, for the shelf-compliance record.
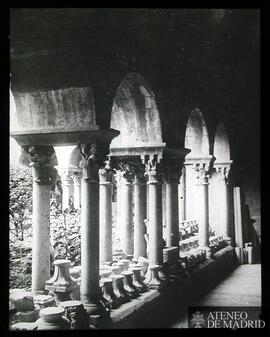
(241, 288)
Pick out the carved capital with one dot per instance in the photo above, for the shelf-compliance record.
(126, 170)
(153, 171)
(92, 156)
(65, 175)
(223, 173)
(77, 178)
(42, 159)
(172, 171)
(202, 172)
(106, 173)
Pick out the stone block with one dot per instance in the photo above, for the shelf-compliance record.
(44, 301)
(21, 299)
(23, 326)
(27, 316)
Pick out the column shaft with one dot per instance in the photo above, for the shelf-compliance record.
(172, 217)
(77, 193)
(155, 224)
(139, 216)
(181, 200)
(203, 214)
(41, 236)
(238, 218)
(105, 220)
(126, 218)
(224, 209)
(90, 290)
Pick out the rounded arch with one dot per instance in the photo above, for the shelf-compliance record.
(221, 144)
(135, 113)
(196, 136)
(74, 158)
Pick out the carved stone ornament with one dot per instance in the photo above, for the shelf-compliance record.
(89, 162)
(153, 170)
(202, 170)
(106, 173)
(42, 159)
(223, 172)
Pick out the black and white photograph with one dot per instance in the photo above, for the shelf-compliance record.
(135, 169)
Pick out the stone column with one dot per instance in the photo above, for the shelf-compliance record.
(105, 211)
(155, 212)
(223, 201)
(202, 170)
(139, 214)
(90, 290)
(77, 190)
(171, 176)
(238, 226)
(181, 197)
(126, 220)
(42, 159)
(66, 182)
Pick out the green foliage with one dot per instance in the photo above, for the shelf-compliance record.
(20, 201)
(66, 235)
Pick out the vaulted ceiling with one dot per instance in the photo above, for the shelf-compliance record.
(205, 58)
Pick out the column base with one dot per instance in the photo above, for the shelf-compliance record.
(152, 279)
(93, 308)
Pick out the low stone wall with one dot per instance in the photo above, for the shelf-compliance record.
(156, 309)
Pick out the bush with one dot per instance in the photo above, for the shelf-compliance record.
(20, 202)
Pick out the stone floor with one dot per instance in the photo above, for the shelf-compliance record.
(241, 288)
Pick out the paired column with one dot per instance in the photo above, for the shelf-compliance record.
(66, 186)
(42, 160)
(139, 213)
(202, 170)
(77, 190)
(90, 290)
(153, 173)
(105, 211)
(223, 189)
(171, 176)
(182, 197)
(126, 216)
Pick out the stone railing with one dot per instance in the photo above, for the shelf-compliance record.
(216, 242)
(190, 253)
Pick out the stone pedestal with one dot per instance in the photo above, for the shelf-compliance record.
(52, 318)
(105, 211)
(110, 299)
(42, 159)
(152, 279)
(137, 279)
(139, 215)
(76, 314)
(61, 284)
(118, 289)
(128, 284)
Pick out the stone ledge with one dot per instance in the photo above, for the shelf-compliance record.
(130, 314)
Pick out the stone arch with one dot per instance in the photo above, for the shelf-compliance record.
(221, 144)
(135, 113)
(196, 136)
